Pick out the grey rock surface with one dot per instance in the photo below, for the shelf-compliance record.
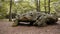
(40, 19)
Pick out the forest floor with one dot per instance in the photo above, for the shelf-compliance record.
(6, 28)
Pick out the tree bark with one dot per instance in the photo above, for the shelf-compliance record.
(48, 6)
(38, 5)
(10, 16)
(45, 5)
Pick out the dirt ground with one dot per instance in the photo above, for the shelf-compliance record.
(6, 28)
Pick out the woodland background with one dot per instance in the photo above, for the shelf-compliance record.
(13, 7)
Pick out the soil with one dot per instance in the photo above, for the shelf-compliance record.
(6, 28)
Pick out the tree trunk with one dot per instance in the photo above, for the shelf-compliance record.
(48, 6)
(45, 5)
(10, 16)
(38, 5)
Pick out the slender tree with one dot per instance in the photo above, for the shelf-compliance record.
(49, 6)
(38, 5)
(10, 16)
(45, 5)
